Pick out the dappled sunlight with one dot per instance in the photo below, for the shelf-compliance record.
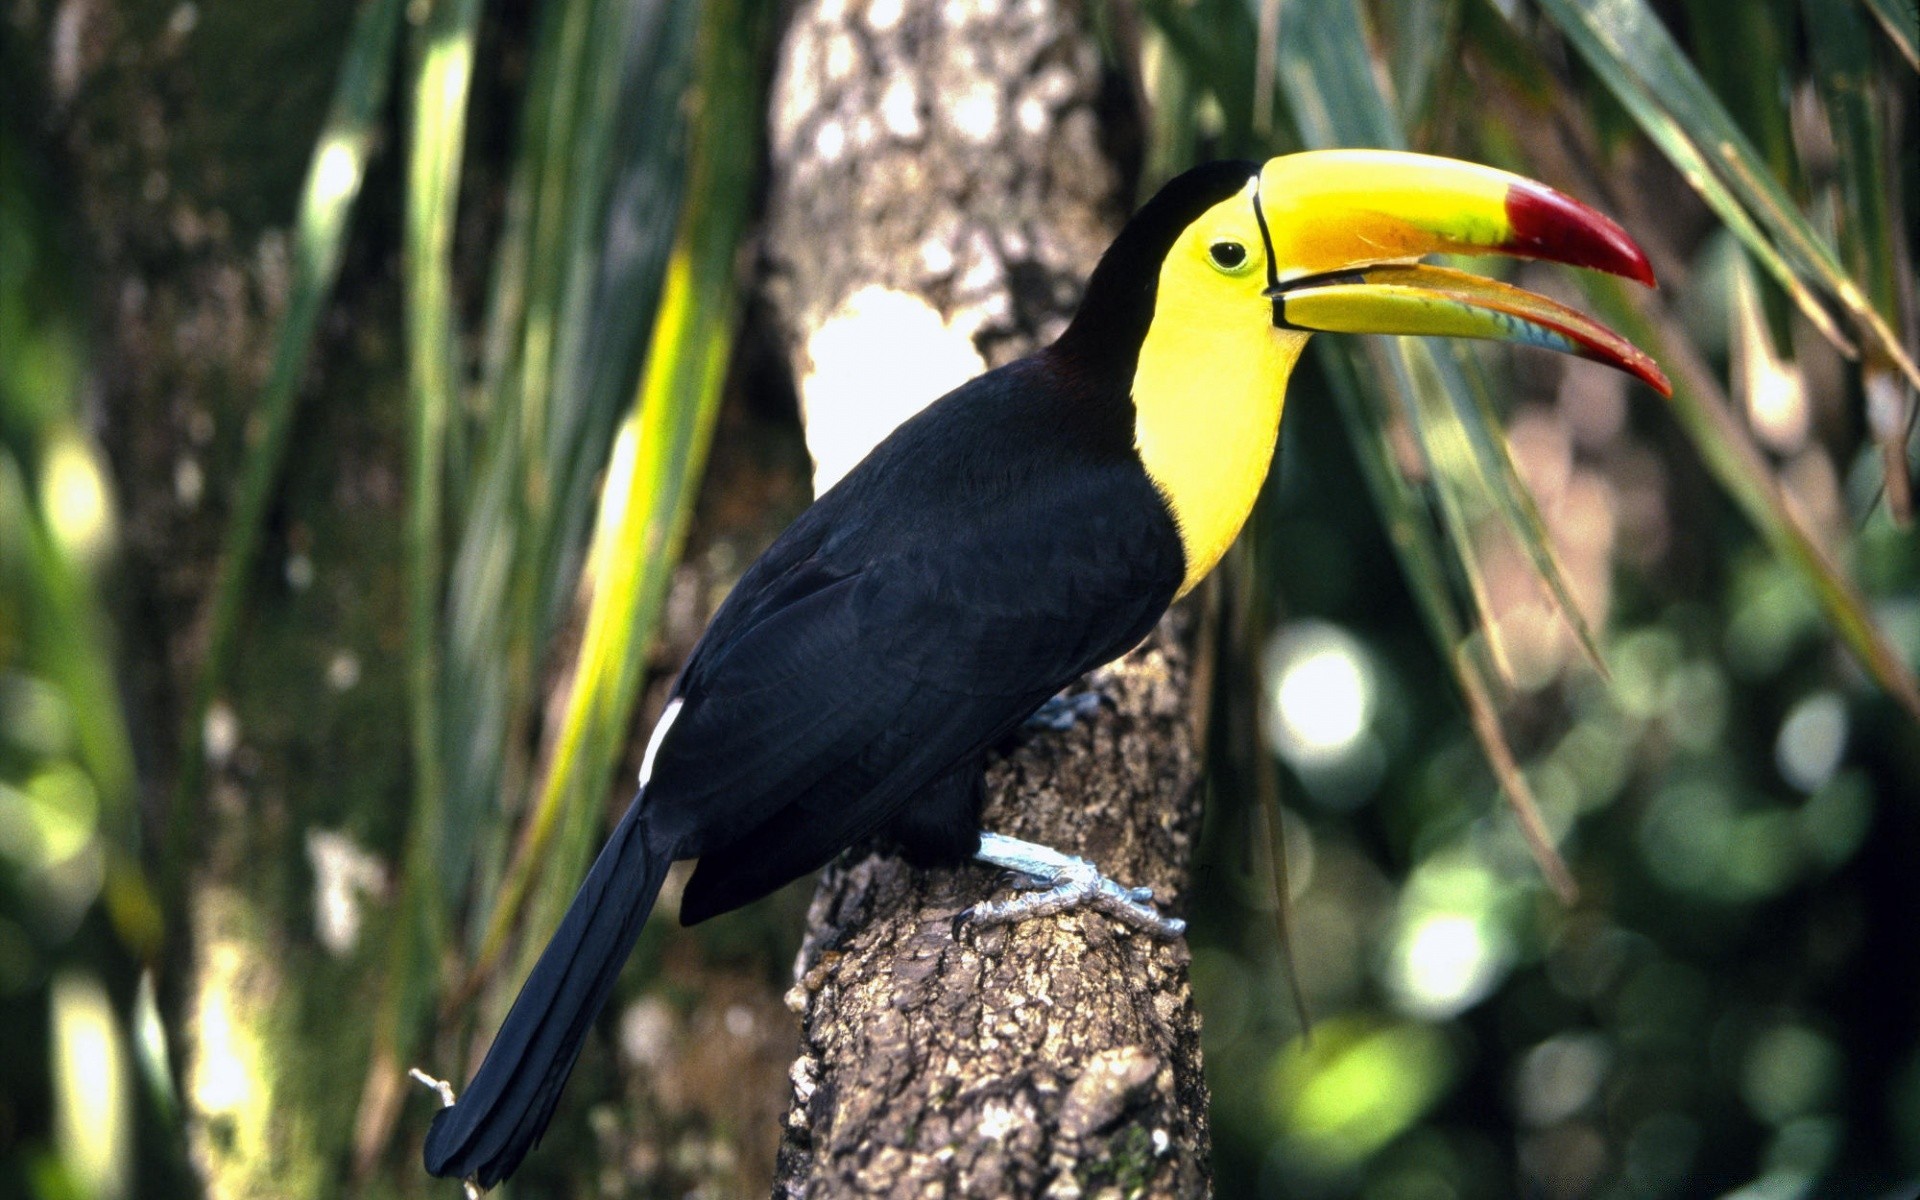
(1451, 946)
(93, 1088)
(1355, 1087)
(1322, 694)
(76, 498)
(1322, 703)
(880, 358)
(245, 1135)
(359, 366)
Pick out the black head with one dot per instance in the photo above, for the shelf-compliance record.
(1113, 317)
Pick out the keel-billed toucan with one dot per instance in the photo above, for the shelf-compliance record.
(1027, 527)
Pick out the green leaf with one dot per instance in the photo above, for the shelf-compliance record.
(1901, 20)
(1844, 69)
(592, 208)
(1326, 73)
(1332, 92)
(442, 81)
(1843, 63)
(334, 175)
(1693, 165)
(1423, 40)
(1422, 557)
(1704, 411)
(1628, 46)
(646, 501)
(1209, 37)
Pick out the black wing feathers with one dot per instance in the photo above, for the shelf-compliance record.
(997, 546)
(987, 555)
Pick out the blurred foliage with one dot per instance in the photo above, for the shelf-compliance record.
(1714, 1014)
(1727, 1009)
(76, 910)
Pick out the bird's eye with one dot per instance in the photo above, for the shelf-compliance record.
(1228, 256)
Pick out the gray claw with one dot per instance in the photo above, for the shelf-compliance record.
(1063, 712)
(1069, 883)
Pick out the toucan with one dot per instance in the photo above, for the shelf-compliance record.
(1025, 528)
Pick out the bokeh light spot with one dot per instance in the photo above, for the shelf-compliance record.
(91, 1117)
(1322, 693)
(1356, 1087)
(1812, 740)
(73, 494)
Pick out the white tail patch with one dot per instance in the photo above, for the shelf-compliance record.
(659, 735)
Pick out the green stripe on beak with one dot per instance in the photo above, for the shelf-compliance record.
(1348, 226)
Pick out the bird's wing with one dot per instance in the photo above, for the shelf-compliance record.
(863, 671)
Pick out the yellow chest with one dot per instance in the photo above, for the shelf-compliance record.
(1207, 395)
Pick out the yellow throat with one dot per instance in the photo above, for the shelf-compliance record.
(1211, 380)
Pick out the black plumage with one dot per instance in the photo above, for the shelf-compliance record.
(990, 551)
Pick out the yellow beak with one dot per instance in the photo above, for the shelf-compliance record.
(1346, 229)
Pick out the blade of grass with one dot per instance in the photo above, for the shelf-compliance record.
(1740, 51)
(1623, 38)
(441, 81)
(1705, 413)
(1901, 20)
(334, 176)
(1844, 69)
(1484, 715)
(1327, 76)
(1422, 558)
(1486, 434)
(1406, 372)
(1843, 63)
(1333, 94)
(618, 248)
(647, 500)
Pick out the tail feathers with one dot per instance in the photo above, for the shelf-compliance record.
(503, 1112)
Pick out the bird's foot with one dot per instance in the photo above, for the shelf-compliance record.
(470, 1188)
(1056, 883)
(1064, 711)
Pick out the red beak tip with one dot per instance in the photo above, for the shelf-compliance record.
(1551, 225)
(1649, 372)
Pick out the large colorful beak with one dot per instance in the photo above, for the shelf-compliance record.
(1346, 229)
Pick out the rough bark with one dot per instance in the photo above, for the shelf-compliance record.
(1058, 1057)
(956, 157)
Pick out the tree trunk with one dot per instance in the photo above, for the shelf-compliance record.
(942, 185)
(1056, 1057)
